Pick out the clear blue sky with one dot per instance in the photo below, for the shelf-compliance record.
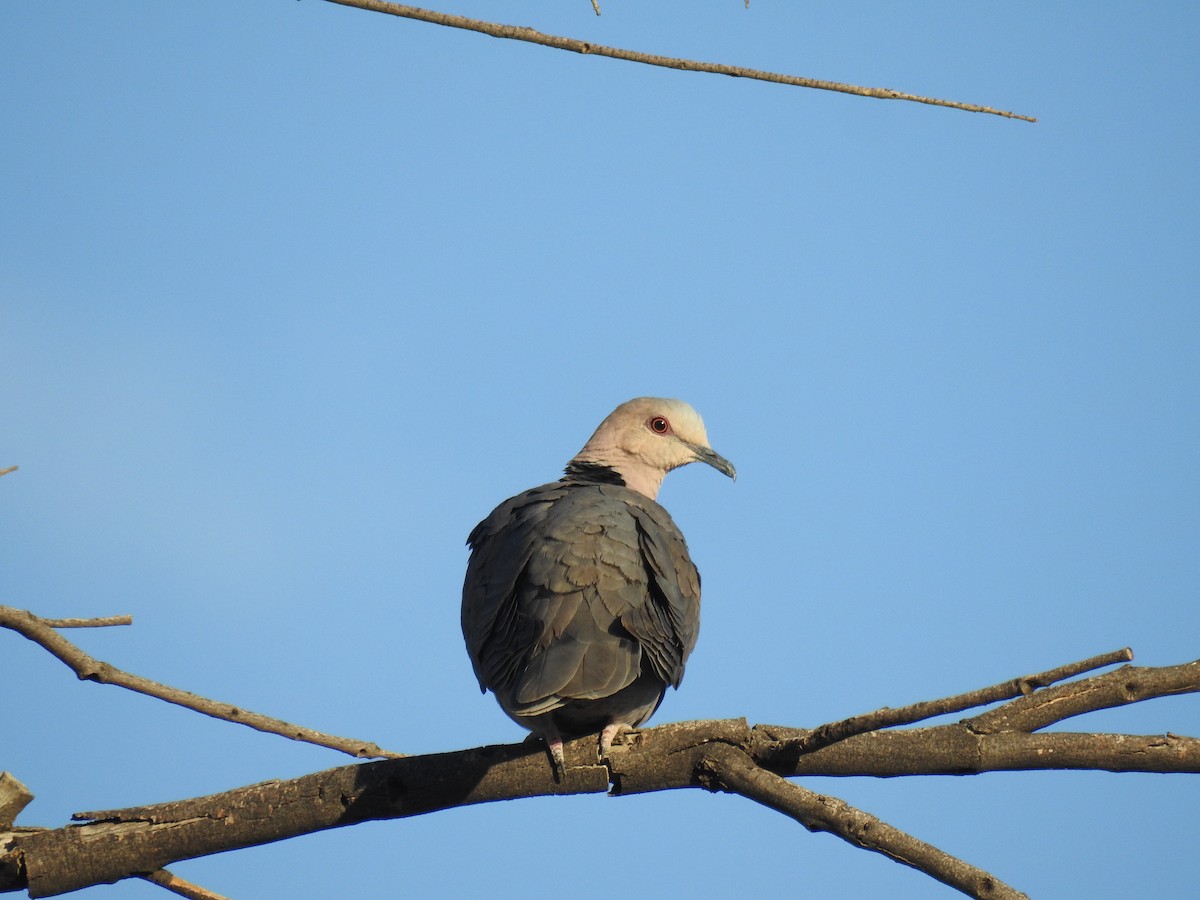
(291, 295)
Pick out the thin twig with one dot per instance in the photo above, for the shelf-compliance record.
(833, 732)
(103, 622)
(733, 770)
(88, 669)
(9, 469)
(518, 33)
(596, 6)
(180, 886)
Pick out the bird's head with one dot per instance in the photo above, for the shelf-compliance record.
(644, 439)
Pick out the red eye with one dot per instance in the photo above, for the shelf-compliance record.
(659, 425)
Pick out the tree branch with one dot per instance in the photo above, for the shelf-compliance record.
(180, 886)
(833, 732)
(103, 622)
(115, 844)
(517, 33)
(1128, 684)
(956, 750)
(732, 770)
(14, 797)
(41, 631)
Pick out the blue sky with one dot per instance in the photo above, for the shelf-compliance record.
(291, 295)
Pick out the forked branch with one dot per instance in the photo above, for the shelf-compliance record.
(723, 755)
(1128, 684)
(833, 732)
(41, 631)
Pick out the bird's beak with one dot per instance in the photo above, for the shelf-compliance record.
(714, 459)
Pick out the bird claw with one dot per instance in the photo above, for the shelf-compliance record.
(554, 746)
(611, 732)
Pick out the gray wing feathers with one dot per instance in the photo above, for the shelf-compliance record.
(568, 586)
(495, 631)
(668, 623)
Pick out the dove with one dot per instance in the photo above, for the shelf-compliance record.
(581, 603)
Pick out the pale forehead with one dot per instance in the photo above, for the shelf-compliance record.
(681, 415)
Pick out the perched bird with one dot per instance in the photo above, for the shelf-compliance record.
(581, 603)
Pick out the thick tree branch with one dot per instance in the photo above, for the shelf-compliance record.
(41, 631)
(518, 33)
(127, 842)
(116, 844)
(956, 750)
(732, 770)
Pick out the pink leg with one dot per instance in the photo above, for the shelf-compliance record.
(611, 731)
(554, 746)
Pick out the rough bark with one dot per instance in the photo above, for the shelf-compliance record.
(115, 844)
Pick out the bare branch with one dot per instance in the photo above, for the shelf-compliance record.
(517, 33)
(103, 622)
(14, 797)
(663, 758)
(41, 631)
(126, 842)
(116, 844)
(833, 732)
(183, 888)
(732, 770)
(1128, 684)
(956, 750)
(9, 469)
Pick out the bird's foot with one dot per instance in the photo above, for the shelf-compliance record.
(554, 746)
(611, 732)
